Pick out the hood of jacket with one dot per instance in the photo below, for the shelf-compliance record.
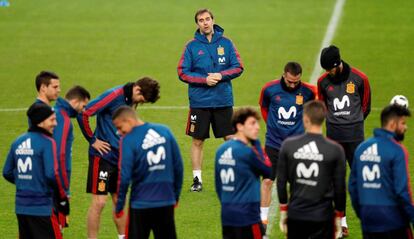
(218, 33)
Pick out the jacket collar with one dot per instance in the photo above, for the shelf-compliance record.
(128, 92)
(343, 76)
(62, 103)
(218, 33)
(35, 128)
(379, 132)
(286, 88)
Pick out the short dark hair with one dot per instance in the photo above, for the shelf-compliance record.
(293, 68)
(201, 11)
(77, 92)
(150, 89)
(124, 111)
(44, 77)
(392, 112)
(316, 111)
(240, 116)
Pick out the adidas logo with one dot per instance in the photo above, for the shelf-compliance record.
(25, 148)
(227, 158)
(371, 154)
(308, 151)
(151, 139)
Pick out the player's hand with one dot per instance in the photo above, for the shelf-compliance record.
(211, 80)
(283, 218)
(216, 76)
(63, 206)
(119, 214)
(338, 226)
(101, 146)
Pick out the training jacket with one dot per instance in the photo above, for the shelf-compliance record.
(150, 161)
(201, 57)
(103, 107)
(348, 100)
(63, 135)
(32, 166)
(315, 169)
(379, 184)
(282, 109)
(238, 168)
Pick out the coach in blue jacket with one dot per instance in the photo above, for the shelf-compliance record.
(208, 64)
(379, 182)
(150, 161)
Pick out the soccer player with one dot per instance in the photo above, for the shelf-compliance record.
(281, 103)
(315, 169)
(379, 181)
(208, 64)
(150, 161)
(75, 101)
(32, 166)
(239, 164)
(346, 93)
(47, 86)
(103, 149)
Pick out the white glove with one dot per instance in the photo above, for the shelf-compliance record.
(338, 225)
(283, 218)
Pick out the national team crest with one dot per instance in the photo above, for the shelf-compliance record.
(101, 186)
(192, 128)
(350, 88)
(299, 99)
(220, 51)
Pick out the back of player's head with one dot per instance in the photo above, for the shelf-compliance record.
(124, 112)
(330, 57)
(392, 112)
(150, 89)
(293, 68)
(315, 110)
(38, 112)
(44, 78)
(201, 11)
(241, 115)
(77, 92)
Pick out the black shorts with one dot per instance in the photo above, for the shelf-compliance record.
(38, 227)
(349, 148)
(299, 229)
(403, 233)
(273, 155)
(102, 176)
(255, 231)
(198, 122)
(159, 220)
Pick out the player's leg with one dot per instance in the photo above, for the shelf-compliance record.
(198, 126)
(298, 229)
(139, 226)
(38, 227)
(221, 122)
(97, 185)
(267, 183)
(163, 223)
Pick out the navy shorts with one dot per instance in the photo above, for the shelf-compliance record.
(102, 176)
(199, 120)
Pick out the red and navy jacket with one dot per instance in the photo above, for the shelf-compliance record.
(32, 166)
(150, 161)
(238, 168)
(282, 109)
(63, 135)
(103, 107)
(379, 184)
(348, 100)
(201, 57)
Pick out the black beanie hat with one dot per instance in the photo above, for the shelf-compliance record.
(330, 57)
(38, 112)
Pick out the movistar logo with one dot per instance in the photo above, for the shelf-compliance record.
(340, 104)
(283, 114)
(304, 172)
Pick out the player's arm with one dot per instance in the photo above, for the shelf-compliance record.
(353, 185)
(217, 178)
(402, 184)
(60, 134)
(320, 90)
(185, 72)
(260, 161)
(282, 176)
(178, 167)
(264, 102)
(125, 167)
(9, 167)
(339, 182)
(235, 68)
(365, 94)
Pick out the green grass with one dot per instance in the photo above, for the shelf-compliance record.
(100, 44)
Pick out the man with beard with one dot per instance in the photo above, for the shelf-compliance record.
(346, 93)
(379, 182)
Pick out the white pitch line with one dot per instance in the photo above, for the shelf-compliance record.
(330, 32)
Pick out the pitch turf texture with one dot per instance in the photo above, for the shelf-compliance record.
(100, 44)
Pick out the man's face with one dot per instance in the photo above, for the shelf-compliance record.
(401, 127)
(205, 23)
(291, 81)
(49, 124)
(333, 72)
(250, 129)
(123, 125)
(79, 105)
(137, 97)
(52, 90)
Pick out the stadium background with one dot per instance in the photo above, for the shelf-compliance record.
(101, 44)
